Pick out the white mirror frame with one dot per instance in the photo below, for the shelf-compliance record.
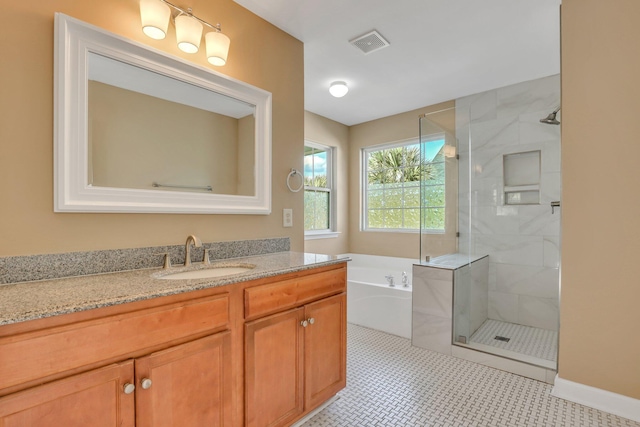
(74, 39)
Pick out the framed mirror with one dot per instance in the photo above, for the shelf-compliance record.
(137, 130)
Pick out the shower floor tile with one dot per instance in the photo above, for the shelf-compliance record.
(535, 342)
(391, 383)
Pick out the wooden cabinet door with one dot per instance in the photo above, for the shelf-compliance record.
(95, 398)
(273, 369)
(190, 385)
(325, 351)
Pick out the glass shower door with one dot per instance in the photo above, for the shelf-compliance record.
(438, 186)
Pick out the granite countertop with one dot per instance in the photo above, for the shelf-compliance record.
(24, 301)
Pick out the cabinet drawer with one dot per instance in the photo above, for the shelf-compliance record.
(274, 297)
(39, 354)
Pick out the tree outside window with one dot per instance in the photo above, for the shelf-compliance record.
(404, 186)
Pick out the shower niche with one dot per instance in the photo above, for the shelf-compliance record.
(521, 172)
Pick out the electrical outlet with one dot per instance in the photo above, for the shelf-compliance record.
(287, 217)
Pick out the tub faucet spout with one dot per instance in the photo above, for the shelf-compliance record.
(187, 248)
(390, 280)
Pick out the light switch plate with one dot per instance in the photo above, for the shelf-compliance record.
(287, 217)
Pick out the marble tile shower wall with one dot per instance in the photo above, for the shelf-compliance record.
(522, 241)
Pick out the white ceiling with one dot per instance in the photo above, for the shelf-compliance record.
(440, 49)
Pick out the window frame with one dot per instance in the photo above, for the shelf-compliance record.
(331, 189)
(364, 172)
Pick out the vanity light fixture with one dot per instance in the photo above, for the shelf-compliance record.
(156, 14)
(338, 89)
(188, 32)
(217, 47)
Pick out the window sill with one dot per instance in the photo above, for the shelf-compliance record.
(313, 235)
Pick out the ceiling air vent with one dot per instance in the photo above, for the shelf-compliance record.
(370, 42)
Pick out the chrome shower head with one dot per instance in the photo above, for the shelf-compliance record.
(551, 118)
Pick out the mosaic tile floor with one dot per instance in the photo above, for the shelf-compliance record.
(536, 342)
(390, 383)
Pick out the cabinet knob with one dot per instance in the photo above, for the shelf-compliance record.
(311, 320)
(129, 388)
(146, 383)
(304, 323)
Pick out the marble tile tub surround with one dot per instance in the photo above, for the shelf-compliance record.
(24, 301)
(53, 266)
(522, 240)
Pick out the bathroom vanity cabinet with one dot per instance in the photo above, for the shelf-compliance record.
(179, 360)
(123, 394)
(304, 344)
(144, 385)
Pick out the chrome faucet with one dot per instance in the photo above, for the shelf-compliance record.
(390, 280)
(405, 279)
(187, 248)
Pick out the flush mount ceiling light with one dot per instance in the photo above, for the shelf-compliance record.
(155, 16)
(338, 89)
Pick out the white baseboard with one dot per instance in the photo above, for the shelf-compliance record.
(596, 398)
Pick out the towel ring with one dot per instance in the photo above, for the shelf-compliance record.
(292, 173)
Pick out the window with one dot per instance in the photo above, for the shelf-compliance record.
(396, 177)
(318, 189)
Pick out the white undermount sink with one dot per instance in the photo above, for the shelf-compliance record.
(208, 272)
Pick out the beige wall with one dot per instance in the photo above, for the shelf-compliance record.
(599, 315)
(28, 224)
(327, 132)
(389, 129)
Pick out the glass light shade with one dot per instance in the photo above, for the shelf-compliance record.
(338, 89)
(154, 15)
(217, 48)
(188, 33)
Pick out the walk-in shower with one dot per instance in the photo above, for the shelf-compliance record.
(505, 264)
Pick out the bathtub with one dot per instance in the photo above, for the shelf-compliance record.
(371, 302)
